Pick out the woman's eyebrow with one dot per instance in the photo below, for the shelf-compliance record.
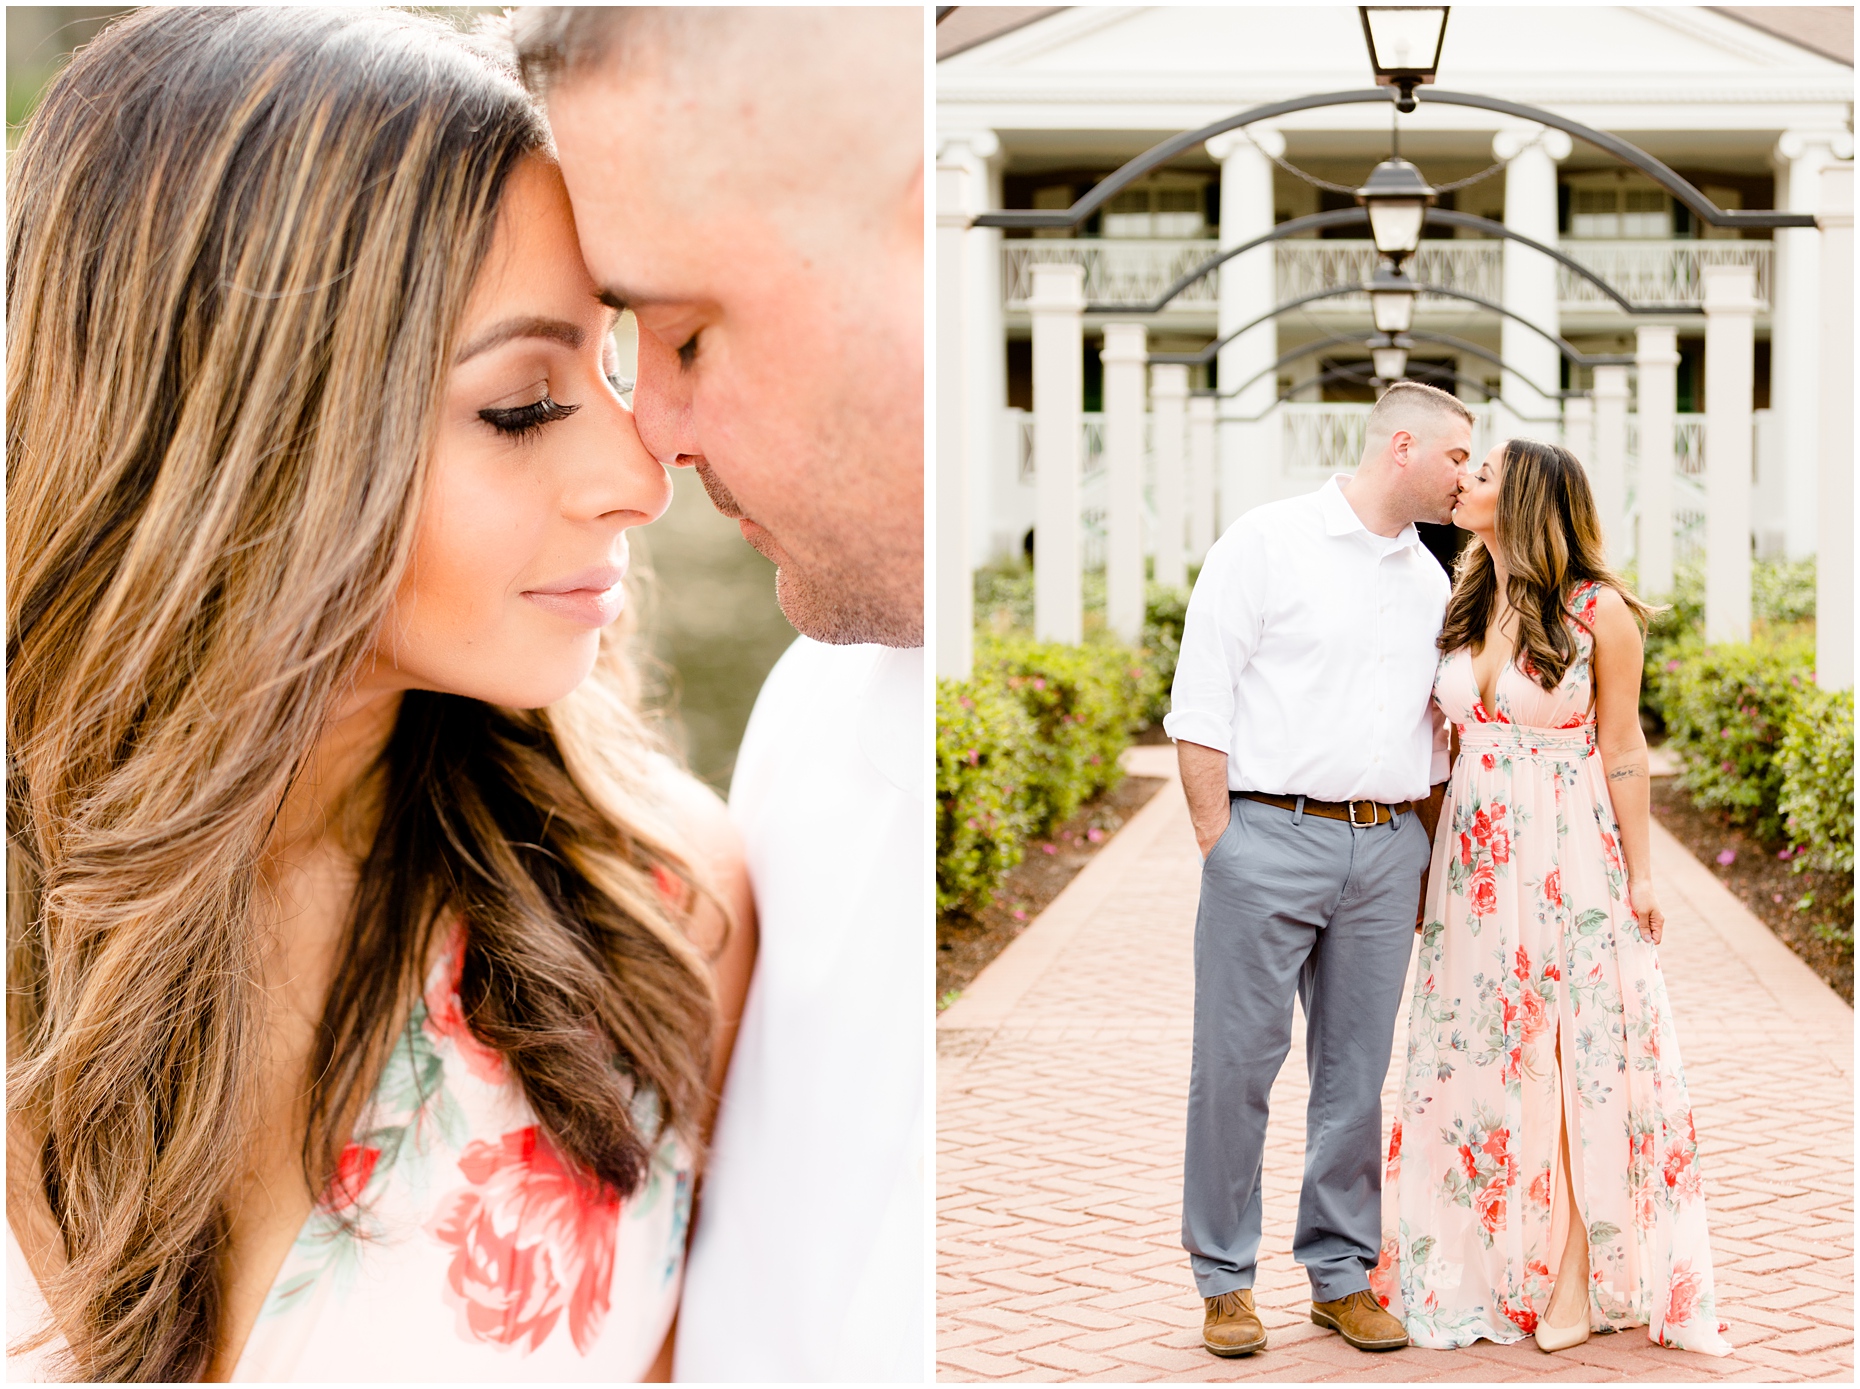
(554, 329)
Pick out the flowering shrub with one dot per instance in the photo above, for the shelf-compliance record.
(982, 775)
(1033, 733)
(1816, 758)
(1085, 702)
(1726, 708)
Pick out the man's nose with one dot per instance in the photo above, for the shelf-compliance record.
(662, 403)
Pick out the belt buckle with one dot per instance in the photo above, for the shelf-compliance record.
(1356, 824)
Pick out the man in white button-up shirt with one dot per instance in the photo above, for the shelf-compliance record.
(1312, 757)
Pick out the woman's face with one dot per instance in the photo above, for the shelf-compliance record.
(1477, 507)
(536, 475)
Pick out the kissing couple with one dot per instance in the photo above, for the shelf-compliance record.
(384, 1002)
(1370, 752)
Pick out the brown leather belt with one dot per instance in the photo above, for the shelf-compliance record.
(1372, 812)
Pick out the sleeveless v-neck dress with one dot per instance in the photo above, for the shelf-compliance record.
(454, 1244)
(1528, 939)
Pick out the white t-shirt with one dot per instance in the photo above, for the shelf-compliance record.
(808, 1261)
(1308, 655)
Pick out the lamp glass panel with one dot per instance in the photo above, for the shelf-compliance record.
(1390, 362)
(1395, 223)
(1392, 309)
(1408, 38)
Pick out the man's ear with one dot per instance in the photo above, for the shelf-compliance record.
(1401, 445)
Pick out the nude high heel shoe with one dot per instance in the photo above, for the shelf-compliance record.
(1554, 1338)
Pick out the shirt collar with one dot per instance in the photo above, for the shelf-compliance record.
(1340, 517)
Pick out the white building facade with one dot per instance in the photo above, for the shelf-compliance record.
(1036, 117)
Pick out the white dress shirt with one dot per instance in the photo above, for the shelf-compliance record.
(808, 1260)
(1308, 655)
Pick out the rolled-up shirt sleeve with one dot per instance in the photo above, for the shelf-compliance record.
(1440, 768)
(1226, 614)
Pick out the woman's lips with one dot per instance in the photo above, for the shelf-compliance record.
(592, 598)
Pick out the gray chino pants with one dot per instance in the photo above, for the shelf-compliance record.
(1294, 903)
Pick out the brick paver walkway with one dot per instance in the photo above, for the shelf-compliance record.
(1062, 1079)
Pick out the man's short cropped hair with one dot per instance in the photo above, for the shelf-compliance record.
(1402, 402)
(558, 41)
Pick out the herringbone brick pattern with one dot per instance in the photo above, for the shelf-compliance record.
(1062, 1079)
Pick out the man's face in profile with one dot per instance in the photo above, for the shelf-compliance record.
(766, 230)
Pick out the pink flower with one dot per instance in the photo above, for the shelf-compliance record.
(350, 1179)
(1683, 1299)
(1536, 1015)
(1540, 1194)
(530, 1241)
(445, 1019)
(1494, 1144)
(1727, 857)
(1048, 849)
(1382, 1276)
(1553, 887)
(1500, 845)
(1611, 851)
(1095, 835)
(1484, 891)
(1490, 1203)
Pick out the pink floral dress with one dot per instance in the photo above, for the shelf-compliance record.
(1529, 938)
(454, 1243)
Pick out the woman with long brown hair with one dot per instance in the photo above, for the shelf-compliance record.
(1543, 1173)
(371, 974)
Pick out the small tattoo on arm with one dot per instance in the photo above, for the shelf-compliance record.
(1621, 772)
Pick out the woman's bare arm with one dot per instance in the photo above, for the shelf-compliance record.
(1617, 669)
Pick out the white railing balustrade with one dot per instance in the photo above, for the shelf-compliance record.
(1132, 272)
(1307, 267)
(1116, 272)
(1656, 272)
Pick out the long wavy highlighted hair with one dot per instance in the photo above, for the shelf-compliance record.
(240, 243)
(1550, 532)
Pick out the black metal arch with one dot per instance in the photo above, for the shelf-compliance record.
(1361, 378)
(1574, 355)
(1363, 339)
(1700, 205)
(1353, 216)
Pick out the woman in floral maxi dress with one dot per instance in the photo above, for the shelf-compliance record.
(1539, 1028)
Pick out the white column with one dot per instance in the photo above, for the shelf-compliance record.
(1529, 277)
(1058, 310)
(1795, 311)
(1124, 355)
(1656, 361)
(1169, 404)
(955, 619)
(1248, 453)
(1834, 566)
(1201, 512)
(1730, 317)
(976, 154)
(1579, 431)
(1608, 467)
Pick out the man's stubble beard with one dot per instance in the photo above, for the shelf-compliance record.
(844, 597)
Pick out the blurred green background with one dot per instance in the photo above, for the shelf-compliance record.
(709, 621)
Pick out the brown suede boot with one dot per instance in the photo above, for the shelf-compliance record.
(1360, 1320)
(1231, 1326)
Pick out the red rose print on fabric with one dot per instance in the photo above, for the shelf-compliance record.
(1540, 1193)
(1484, 888)
(445, 1018)
(1684, 1300)
(530, 1242)
(1490, 1203)
(1553, 887)
(350, 1179)
(1487, 761)
(1382, 1276)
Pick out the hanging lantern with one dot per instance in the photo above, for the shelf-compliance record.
(1391, 300)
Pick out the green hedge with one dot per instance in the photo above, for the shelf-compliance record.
(1817, 761)
(1033, 733)
(1761, 741)
(983, 770)
(1725, 708)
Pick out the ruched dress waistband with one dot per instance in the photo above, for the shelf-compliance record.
(1521, 740)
